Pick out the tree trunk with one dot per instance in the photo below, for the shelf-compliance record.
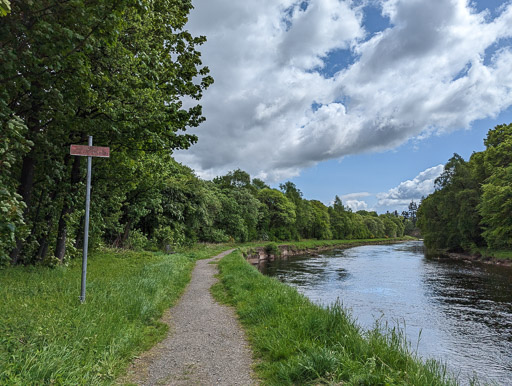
(122, 238)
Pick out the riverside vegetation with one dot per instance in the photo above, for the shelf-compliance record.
(297, 342)
(471, 208)
(46, 336)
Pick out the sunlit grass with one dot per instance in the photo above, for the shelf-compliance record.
(298, 342)
(48, 337)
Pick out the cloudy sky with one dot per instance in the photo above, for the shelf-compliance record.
(363, 99)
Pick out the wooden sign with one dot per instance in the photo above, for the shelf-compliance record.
(90, 151)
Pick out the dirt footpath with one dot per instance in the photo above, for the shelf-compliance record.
(205, 345)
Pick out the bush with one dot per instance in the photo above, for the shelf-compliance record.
(272, 249)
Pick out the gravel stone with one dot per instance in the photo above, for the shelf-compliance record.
(206, 344)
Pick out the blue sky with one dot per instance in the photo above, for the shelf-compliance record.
(378, 172)
(363, 99)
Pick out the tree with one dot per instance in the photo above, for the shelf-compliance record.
(13, 146)
(341, 224)
(413, 208)
(234, 179)
(321, 225)
(259, 184)
(495, 206)
(5, 7)
(278, 214)
(115, 70)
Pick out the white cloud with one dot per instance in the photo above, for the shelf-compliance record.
(352, 196)
(427, 73)
(356, 205)
(420, 186)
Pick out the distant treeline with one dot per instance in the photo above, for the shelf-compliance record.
(154, 202)
(471, 208)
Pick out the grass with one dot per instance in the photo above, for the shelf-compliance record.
(298, 342)
(309, 245)
(501, 255)
(48, 337)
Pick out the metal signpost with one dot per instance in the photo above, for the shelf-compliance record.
(89, 151)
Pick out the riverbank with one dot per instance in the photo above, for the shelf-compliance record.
(502, 258)
(48, 337)
(257, 254)
(298, 342)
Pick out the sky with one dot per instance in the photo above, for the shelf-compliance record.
(364, 99)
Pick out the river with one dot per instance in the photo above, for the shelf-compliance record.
(453, 311)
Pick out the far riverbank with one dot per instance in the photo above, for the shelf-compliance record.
(474, 258)
(272, 251)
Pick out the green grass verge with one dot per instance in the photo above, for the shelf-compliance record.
(48, 337)
(298, 342)
(501, 255)
(311, 245)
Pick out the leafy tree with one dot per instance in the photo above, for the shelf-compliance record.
(375, 226)
(259, 184)
(303, 211)
(413, 208)
(5, 7)
(321, 226)
(359, 228)
(234, 179)
(12, 147)
(471, 206)
(391, 227)
(496, 203)
(341, 223)
(114, 70)
(496, 209)
(277, 214)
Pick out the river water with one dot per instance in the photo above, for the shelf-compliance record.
(454, 311)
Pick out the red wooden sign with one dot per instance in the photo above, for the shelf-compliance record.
(90, 151)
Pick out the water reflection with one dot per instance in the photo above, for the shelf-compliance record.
(463, 311)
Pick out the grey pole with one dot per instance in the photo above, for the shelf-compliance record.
(86, 227)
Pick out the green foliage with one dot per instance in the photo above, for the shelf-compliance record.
(470, 209)
(115, 70)
(496, 209)
(320, 226)
(48, 337)
(277, 214)
(272, 249)
(13, 146)
(298, 342)
(5, 7)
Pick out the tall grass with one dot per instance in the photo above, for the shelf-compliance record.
(298, 342)
(48, 337)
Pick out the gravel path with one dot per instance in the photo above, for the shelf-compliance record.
(205, 346)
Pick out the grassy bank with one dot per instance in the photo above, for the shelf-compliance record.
(306, 246)
(48, 337)
(311, 244)
(300, 343)
(500, 255)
